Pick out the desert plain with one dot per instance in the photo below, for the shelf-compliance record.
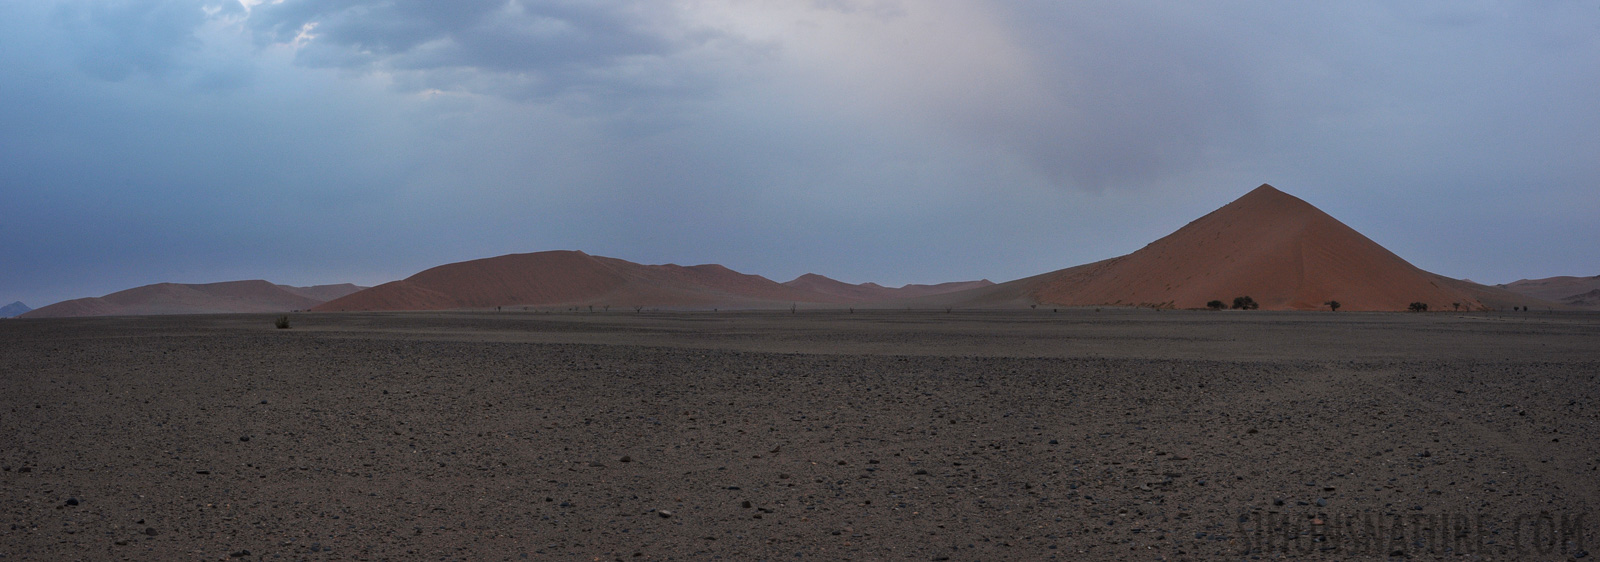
(1068, 434)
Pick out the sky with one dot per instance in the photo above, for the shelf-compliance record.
(310, 142)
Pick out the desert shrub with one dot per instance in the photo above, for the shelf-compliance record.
(282, 322)
(1332, 305)
(1216, 305)
(1245, 303)
(1418, 307)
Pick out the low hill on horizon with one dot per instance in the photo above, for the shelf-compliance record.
(13, 309)
(205, 298)
(871, 292)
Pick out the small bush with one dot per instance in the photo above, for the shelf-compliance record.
(1418, 307)
(1245, 303)
(1216, 305)
(1332, 305)
(282, 322)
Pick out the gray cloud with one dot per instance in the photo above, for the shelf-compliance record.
(518, 48)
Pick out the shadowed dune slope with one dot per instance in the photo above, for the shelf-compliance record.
(1268, 245)
(870, 292)
(572, 278)
(178, 298)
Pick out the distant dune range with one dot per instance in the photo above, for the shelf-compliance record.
(572, 278)
(1280, 251)
(1581, 291)
(208, 298)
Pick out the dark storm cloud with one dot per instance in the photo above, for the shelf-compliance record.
(518, 48)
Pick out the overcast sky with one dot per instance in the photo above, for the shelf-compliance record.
(328, 141)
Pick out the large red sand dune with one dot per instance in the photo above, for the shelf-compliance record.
(208, 298)
(1268, 245)
(572, 278)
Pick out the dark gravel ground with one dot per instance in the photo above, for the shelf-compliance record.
(1111, 435)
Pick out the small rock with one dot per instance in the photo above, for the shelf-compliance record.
(240, 554)
(745, 504)
(244, 437)
(664, 514)
(625, 458)
(921, 472)
(1277, 501)
(1054, 442)
(1322, 502)
(150, 531)
(72, 501)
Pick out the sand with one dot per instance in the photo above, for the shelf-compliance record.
(903, 435)
(1271, 246)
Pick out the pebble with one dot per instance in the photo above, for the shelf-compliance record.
(664, 513)
(150, 531)
(72, 501)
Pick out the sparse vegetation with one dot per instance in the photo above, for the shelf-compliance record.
(1332, 305)
(1216, 305)
(1245, 303)
(282, 322)
(1418, 307)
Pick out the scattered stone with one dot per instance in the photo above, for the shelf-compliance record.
(625, 458)
(239, 554)
(150, 531)
(72, 501)
(244, 437)
(745, 504)
(664, 514)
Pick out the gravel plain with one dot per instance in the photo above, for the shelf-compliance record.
(1077, 434)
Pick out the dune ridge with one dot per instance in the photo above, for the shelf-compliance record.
(207, 298)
